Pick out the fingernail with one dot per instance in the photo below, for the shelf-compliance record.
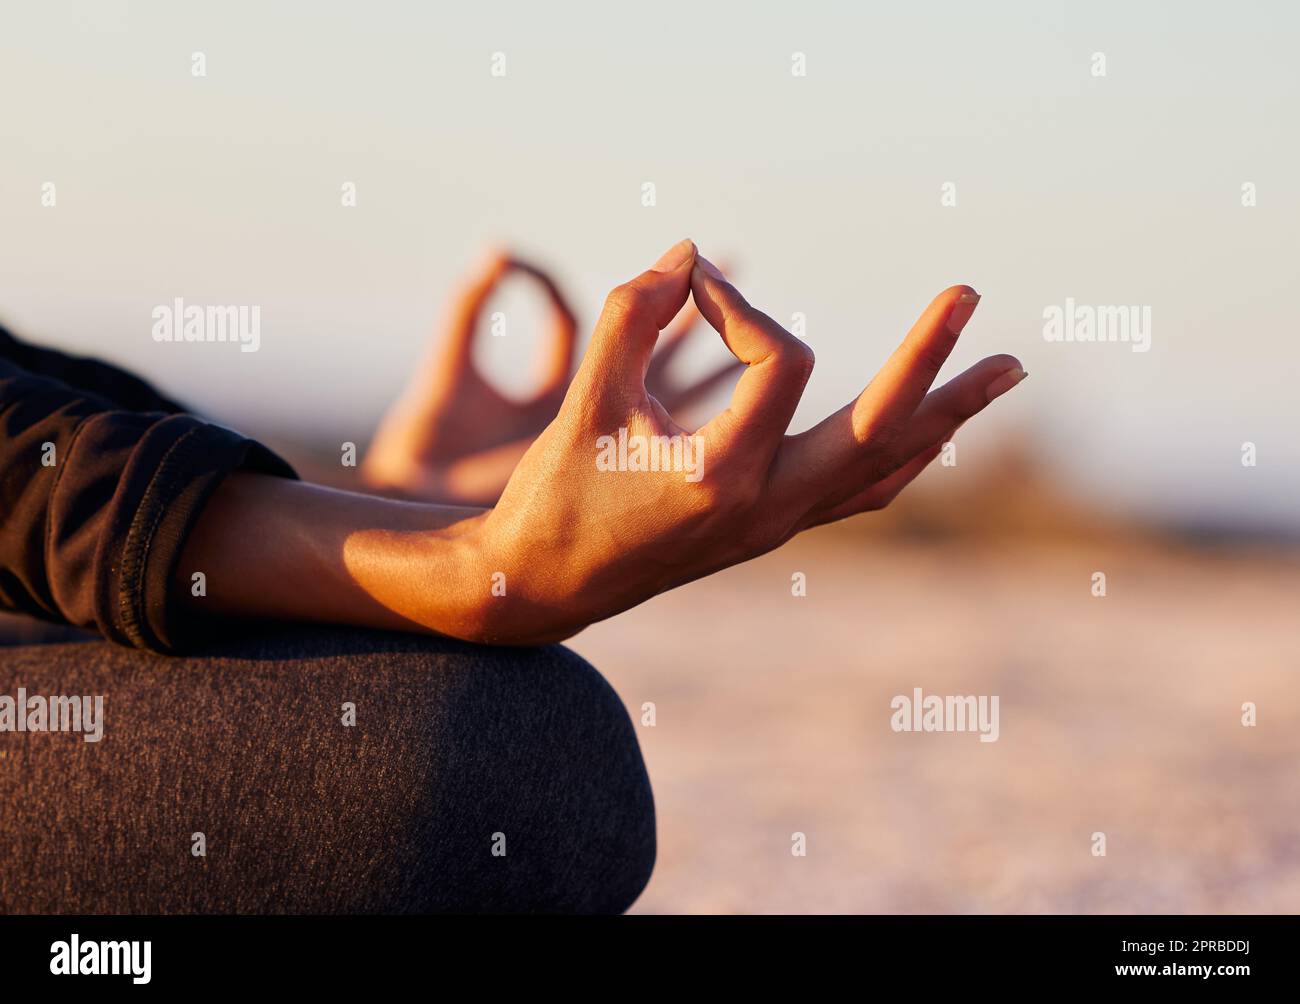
(709, 269)
(961, 311)
(1004, 383)
(676, 256)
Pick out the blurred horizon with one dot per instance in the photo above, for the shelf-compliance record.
(824, 190)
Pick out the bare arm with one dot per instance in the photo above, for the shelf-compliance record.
(272, 548)
(577, 537)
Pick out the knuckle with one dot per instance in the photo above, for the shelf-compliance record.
(886, 463)
(798, 357)
(880, 433)
(731, 502)
(738, 496)
(625, 300)
(745, 497)
(934, 354)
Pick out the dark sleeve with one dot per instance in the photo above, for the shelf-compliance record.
(124, 389)
(96, 503)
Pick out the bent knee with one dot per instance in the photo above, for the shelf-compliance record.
(552, 802)
(471, 779)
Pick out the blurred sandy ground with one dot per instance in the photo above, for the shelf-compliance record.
(1119, 714)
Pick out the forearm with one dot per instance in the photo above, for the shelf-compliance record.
(274, 548)
(97, 500)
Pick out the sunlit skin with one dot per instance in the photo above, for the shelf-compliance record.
(452, 437)
(573, 544)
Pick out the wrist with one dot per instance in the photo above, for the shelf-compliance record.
(453, 583)
(502, 597)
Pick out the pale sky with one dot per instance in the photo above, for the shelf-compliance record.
(825, 190)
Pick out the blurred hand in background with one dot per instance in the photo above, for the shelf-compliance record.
(452, 437)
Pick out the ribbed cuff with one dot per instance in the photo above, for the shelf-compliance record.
(176, 467)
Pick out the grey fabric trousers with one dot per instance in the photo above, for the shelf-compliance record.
(474, 780)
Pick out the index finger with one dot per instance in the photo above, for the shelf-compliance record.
(777, 364)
